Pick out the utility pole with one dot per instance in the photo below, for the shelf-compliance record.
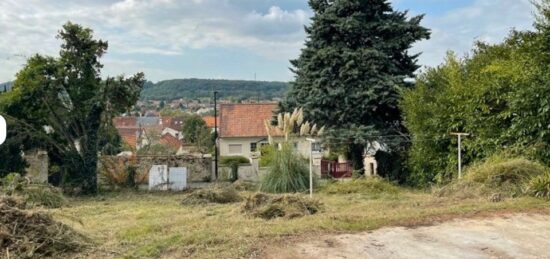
(311, 141)
(459, 135)
(215, 135)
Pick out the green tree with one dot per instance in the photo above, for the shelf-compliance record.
(64, 103)
(195, 131)
(499, 94)
(350, 74)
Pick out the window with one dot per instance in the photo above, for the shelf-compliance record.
(253, 147)
(235, 149)
(316, 147)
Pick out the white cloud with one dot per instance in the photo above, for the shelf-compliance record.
(485, 20)
(262, 28)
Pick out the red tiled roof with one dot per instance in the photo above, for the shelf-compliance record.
(129, 135)
(245, 120)
(120, 122)
(166, 121)
(210, 121)
(171, 141)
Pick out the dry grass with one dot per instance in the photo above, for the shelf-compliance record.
(27, 233)
(279, 206)
(144, 225)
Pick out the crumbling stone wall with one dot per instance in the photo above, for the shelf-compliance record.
(38, 166)
(199, 169)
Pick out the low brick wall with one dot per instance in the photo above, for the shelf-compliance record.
(199, 169)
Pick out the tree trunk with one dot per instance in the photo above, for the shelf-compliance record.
(355, 154)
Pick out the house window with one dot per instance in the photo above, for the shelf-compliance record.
(253, 147)
(235, 149)
(316, 147)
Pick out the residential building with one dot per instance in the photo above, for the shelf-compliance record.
(242, 132)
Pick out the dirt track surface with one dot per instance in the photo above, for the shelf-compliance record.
(513, 236)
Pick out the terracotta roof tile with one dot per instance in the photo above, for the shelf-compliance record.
(120, 122)
(171, 141)
(245, 120)
(210, 121)
(129, 135)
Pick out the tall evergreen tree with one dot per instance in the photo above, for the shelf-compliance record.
(351, 71)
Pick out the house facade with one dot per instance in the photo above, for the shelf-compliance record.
(242, 133)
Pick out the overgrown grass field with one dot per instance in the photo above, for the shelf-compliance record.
(145, 225)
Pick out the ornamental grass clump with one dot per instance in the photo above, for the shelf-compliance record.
(287, 172)
(539, 186)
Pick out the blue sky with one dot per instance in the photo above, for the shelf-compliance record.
(232, 39)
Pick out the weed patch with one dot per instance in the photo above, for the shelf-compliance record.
(371, 185)
(34, 194)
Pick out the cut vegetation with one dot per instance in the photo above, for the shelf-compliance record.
(25, 233)
(145, 225)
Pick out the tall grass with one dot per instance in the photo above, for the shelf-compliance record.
(288, 172)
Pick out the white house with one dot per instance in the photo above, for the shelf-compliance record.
(242, 132)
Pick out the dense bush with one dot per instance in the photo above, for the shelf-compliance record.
(288, 172)
(499, 94)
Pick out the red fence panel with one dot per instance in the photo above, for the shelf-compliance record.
(335, 169)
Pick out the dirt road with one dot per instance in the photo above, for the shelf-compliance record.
(513, 236)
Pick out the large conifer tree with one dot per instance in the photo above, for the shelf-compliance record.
(349, 75)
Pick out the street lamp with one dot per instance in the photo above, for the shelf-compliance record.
(311, 141)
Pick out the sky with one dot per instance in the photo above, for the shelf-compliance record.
(227, 39)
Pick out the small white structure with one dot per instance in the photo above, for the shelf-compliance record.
(158, 178)
(177, 177)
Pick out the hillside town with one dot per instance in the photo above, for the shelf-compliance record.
(275, 129)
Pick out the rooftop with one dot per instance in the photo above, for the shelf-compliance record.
(245, 120)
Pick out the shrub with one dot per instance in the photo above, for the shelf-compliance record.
(279, 206)
(369, 185)
(233, 162)
(287, 172)
(217, 194)
(30, 234)
(539, 186)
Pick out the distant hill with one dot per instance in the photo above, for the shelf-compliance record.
(201, 88)
(6, 86)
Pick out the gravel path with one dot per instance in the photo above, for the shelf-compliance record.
(514, 236)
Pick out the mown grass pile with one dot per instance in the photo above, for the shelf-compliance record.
(216, 194)
(30, 234)
(279, 206)
(34, 194)
(498, 176)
